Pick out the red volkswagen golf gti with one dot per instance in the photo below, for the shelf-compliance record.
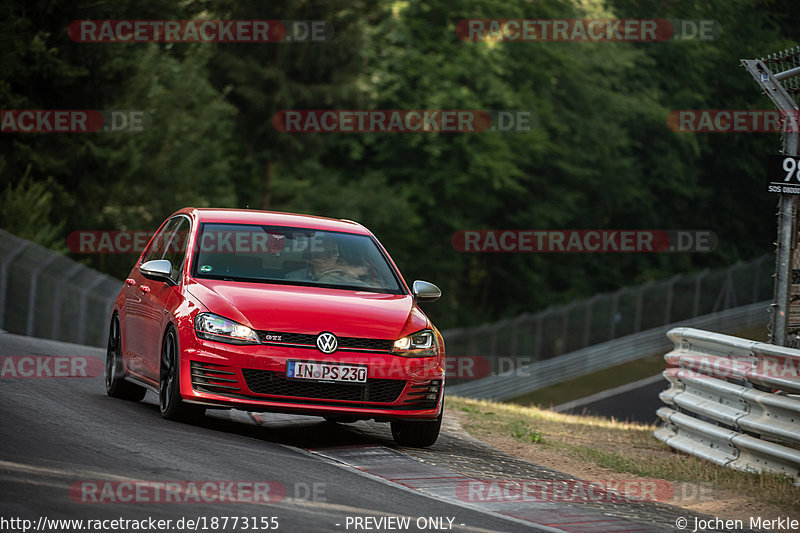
(265, 311)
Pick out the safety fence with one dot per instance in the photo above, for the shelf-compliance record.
(605, 317)
(732, 401)
(45, 294)
(526, 378)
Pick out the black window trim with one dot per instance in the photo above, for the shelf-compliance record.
(153, 240)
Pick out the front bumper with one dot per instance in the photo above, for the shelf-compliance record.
(253, 378)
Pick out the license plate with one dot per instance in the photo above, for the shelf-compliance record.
(326, 372)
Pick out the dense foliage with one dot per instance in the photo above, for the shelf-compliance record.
(600, 154)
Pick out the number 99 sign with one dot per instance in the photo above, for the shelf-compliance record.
(783, 173)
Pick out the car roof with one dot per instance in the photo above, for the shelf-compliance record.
(275, 218)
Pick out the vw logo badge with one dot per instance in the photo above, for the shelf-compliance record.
(326, 342)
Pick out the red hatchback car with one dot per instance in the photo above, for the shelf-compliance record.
(265, 311)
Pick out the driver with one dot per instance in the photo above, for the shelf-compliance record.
(323, 258)
(324, 262)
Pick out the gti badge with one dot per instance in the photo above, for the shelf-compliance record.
(326, 342)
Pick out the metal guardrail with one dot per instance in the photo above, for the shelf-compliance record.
(540, 374)
(45, 294)
(732, 401)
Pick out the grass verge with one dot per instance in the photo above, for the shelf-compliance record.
(545, 438)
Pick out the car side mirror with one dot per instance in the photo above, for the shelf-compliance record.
(425, 292)
(157, 270)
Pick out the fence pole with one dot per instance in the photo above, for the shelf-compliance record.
(4, 265)
(57, 299)
(614, 309)
(32, 294)
(83, 324)
(697, 282)
(668, 310)
(771, 84)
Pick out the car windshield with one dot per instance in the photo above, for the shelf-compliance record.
(292, 256)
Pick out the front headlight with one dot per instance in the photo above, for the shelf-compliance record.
(216, 328)
(420, 344)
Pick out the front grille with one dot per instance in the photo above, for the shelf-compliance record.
(366, 344)
(208, 377)
(276, 383)
(305, 340)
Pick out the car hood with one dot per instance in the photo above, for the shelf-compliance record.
(311, 310)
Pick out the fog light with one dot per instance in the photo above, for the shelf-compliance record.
(431, 396)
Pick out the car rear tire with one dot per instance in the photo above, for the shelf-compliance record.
(169, 395)
(416, 434)
(116, 386)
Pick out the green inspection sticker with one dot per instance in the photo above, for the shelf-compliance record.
(206, 268)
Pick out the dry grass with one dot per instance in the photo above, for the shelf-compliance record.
(544, 436)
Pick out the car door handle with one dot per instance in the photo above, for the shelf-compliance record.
(130, 281)
(144, 288)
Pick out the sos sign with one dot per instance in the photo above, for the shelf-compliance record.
(783, 173)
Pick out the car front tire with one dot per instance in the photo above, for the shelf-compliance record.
(116, 386)
(416, 434)
(169, 396)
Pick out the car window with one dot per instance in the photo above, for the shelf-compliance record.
(175, 251)
(294, 256)
(158, 244)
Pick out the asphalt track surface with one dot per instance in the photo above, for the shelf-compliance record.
(637, 404)
(58, 433)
